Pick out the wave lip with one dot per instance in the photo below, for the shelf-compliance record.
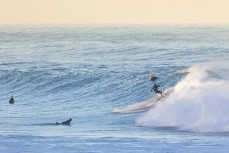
(199, 103)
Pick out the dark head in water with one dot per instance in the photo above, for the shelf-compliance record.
(65, 122)
(153, 78)
(11, 100)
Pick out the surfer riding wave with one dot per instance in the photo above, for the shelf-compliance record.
(155, 89)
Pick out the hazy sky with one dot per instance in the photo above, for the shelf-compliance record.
(113, 11)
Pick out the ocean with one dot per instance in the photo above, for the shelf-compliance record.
(99, 75)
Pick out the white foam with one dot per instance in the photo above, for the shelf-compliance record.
(199, 102)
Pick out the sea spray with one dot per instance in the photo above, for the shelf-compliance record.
(199, 102)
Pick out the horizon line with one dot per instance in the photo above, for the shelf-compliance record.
(226, 23)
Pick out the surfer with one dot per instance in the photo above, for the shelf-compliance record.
(153, 78)
(11, 101)
(155, 89)
(65, 122)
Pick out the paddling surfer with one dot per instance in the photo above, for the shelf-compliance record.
(11, 101)
(65, 122)
(153, 78)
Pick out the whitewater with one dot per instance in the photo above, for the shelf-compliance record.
(99, 75)
(198, 103)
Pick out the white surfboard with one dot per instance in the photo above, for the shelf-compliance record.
(143, 106)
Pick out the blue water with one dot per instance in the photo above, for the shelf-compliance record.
(84, 72)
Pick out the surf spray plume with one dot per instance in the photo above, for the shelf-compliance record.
(200, 102)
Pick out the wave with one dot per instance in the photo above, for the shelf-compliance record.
(199, 102)
(43, 82)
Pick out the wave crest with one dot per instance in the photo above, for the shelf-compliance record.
(199, 103)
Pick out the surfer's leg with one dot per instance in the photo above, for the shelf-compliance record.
(160, 93)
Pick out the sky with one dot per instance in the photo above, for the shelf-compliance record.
(114, 11)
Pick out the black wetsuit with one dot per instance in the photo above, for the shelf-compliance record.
(153, 78)
(155, 89)
(11, 101)
(65, 122)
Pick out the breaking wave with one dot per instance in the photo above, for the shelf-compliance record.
(198, 103)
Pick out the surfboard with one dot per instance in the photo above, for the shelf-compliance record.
(143, 106)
